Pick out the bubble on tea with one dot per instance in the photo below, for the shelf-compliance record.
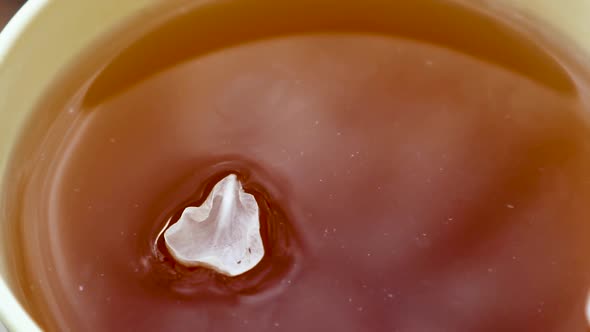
(222, 234)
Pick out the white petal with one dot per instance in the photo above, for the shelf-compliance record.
(222, 234)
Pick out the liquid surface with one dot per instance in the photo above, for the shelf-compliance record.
(403, 186)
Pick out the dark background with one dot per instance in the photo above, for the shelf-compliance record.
(7, 9)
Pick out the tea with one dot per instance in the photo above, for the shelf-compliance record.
(417, 166)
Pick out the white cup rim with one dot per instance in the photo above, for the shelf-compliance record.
(28, 64)
(12, 314)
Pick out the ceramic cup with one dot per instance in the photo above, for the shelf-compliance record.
(46, 35)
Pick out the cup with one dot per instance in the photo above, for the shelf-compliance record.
(47, 35)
